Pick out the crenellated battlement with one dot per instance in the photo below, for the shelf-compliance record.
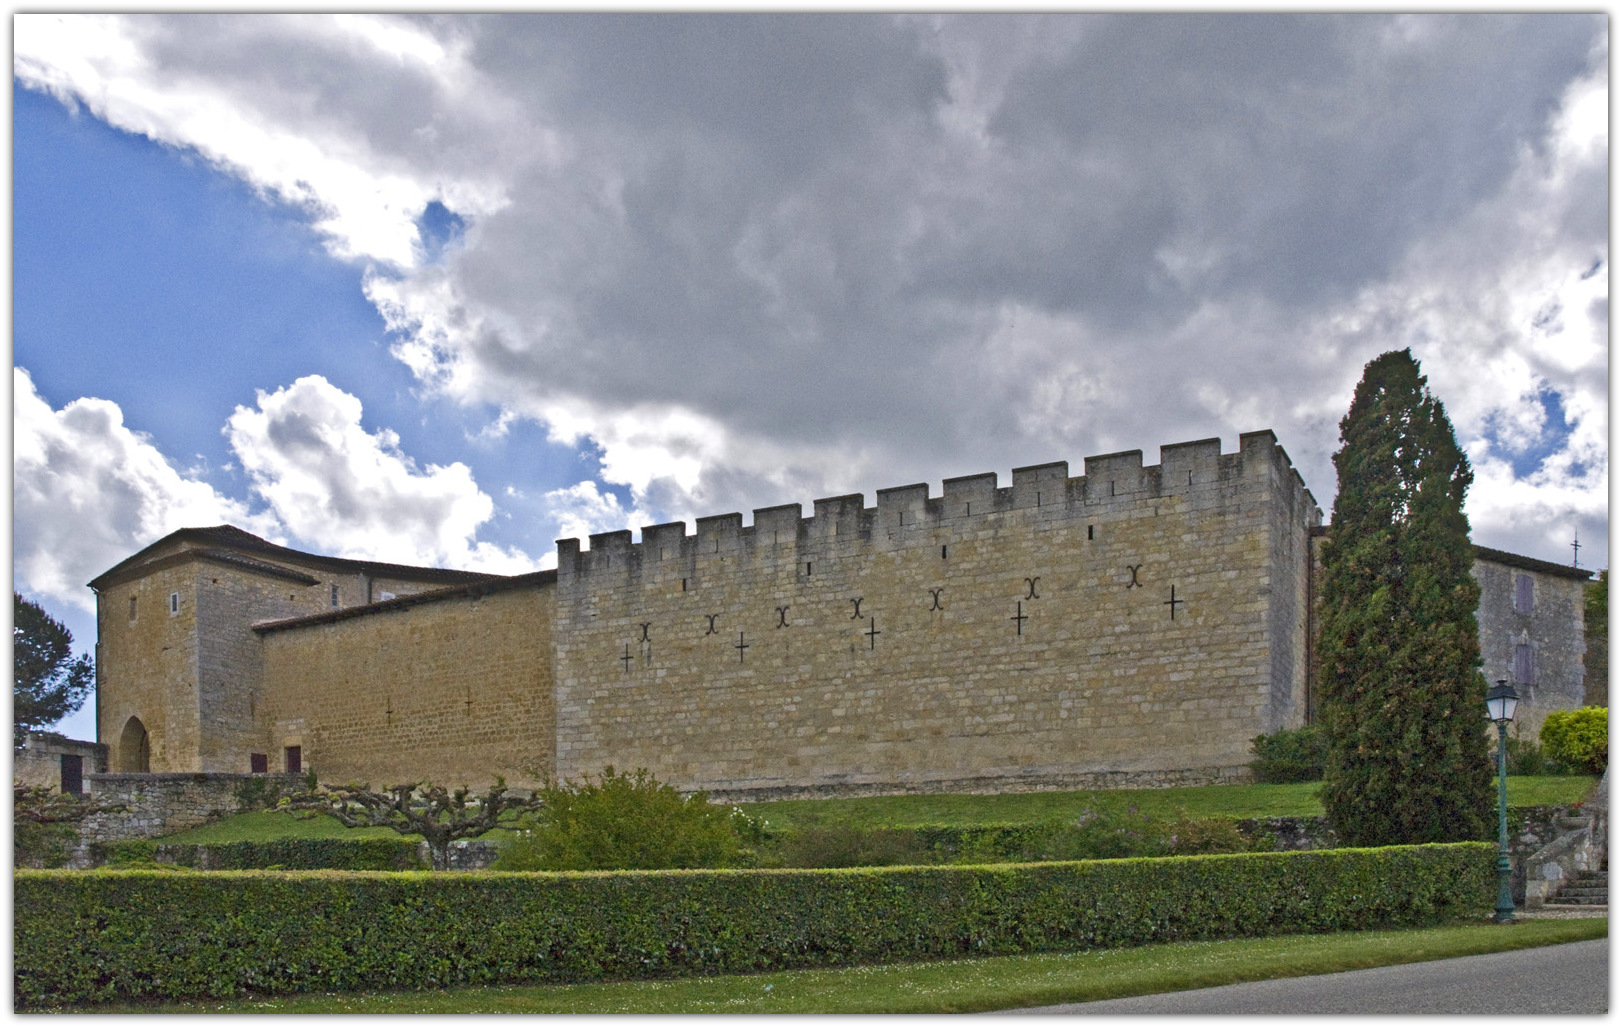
(1113, 485)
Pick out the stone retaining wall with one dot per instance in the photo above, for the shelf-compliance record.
(160, 804)
(991, 786)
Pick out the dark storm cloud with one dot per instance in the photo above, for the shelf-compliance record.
(754, 258)
(767, 219)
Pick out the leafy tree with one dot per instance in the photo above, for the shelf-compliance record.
(1403, 693)
(1596, 632)
(439, 815)
(49, 683)
(623, 821)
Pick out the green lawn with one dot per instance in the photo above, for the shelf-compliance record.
(1237, 801)
(954, 986)
(905, 811)
(263, 825)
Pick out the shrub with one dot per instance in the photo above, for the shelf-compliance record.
(45, 824)
(1291, 755)
(622, 821)
(1577, 740)
(34, 844)
(92, 936)
(1525, 757)
(1195, 835)
(848, 846)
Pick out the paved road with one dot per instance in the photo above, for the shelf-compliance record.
(1566, 979)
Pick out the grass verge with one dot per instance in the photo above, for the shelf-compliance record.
(955, 986)
(265, 825)
(1294, 800)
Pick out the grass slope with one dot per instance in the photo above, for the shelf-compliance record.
(264, 825)
(1297, 800)
(1237, 801)
(955, 986)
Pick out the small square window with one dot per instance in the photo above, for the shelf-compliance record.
(174, 604)
(258, 763)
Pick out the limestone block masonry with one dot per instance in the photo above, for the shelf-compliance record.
(161, 804)
(1535, 607)
(453, 686)
(1132, 626)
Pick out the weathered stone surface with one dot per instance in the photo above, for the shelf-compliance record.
(1130, 627)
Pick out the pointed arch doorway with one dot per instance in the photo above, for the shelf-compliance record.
(134, 747)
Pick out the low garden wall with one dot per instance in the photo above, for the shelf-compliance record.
(145, 805)
(84, 937)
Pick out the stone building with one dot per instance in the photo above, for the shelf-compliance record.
(1531, 623)
(59, 764)
(1129, 626)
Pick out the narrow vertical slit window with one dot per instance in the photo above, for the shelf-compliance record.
(1523, 594)
(1525, 665)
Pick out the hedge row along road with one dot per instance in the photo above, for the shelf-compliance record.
(86, 937)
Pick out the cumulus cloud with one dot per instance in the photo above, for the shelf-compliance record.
(352, 493)
(365, 168)
(753, 259)
(89, 491)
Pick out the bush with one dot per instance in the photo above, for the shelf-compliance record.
(848, 846)
(93, 936)
(1524, 757)
(1195, 835)
(1577, 740)
(1292, 755)
(623, 821)
(42, 845)
(45, 824)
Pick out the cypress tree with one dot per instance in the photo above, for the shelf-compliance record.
(1404, 700)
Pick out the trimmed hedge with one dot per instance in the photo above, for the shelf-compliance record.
(90, 936)
(295, 854)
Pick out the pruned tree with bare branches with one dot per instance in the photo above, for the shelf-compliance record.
(440, 815)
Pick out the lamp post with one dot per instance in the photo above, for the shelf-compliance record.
(1501, 700)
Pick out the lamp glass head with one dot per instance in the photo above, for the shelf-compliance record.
(1501, 700)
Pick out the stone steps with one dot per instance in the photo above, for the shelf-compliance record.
(1588, 889)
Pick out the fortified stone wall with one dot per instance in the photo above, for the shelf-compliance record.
(146, 668)
(176, 651)
(452, 686)
(1106, 630)
(230, 666)
(1288, 598)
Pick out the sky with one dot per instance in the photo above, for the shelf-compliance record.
(443, 290)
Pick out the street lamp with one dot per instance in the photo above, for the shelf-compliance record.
(1501, 700)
